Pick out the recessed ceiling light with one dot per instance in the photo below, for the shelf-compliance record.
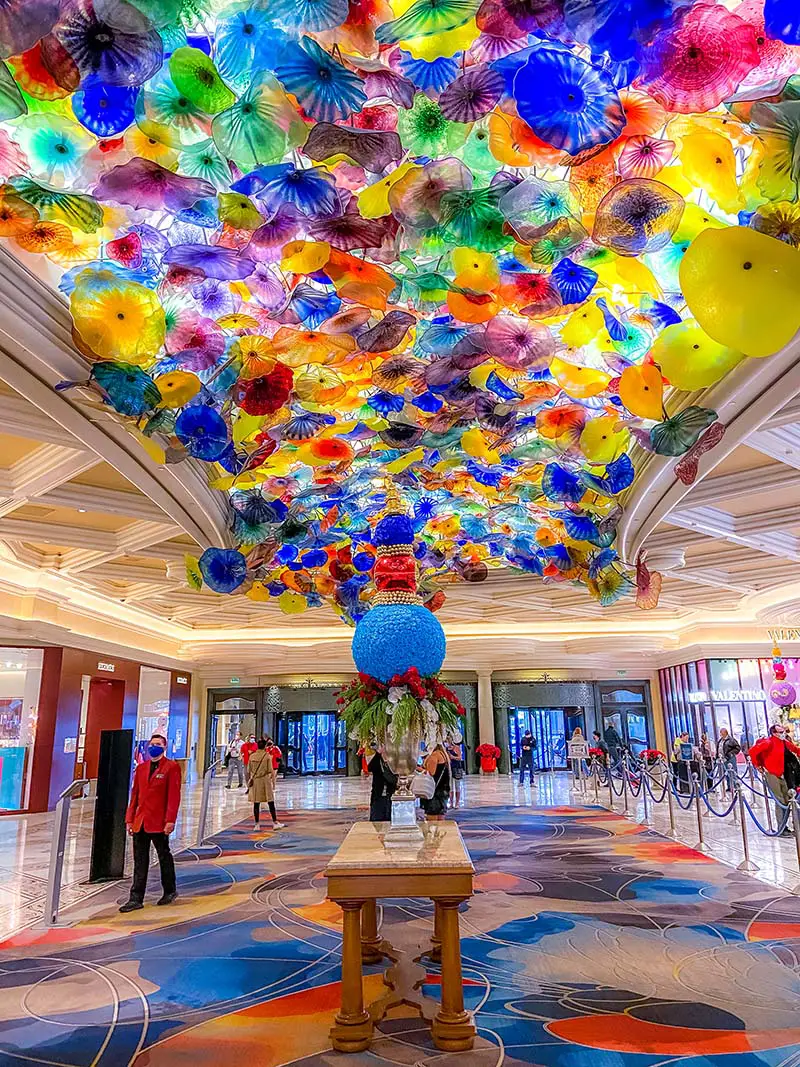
(82, 511)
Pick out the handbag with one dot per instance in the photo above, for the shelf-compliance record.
(423, 785)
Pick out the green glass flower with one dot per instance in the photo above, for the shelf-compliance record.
(197, 79)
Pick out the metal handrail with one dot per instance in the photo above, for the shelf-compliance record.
(57, 847)
(201, 826)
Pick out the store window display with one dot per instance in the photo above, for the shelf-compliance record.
(20, 680)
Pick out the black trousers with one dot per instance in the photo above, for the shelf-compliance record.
(526, 764)
(141, 863)
(272, 811)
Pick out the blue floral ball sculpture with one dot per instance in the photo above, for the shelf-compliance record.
(392, 638)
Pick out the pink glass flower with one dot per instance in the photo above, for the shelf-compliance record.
(644, 157)
(198, 342)
(699, 59)
(778, 61)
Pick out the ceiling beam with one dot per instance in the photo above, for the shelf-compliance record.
(103, 501)
(45, 468)
(129, 541)
(719, 487)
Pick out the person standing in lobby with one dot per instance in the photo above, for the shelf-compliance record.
(248, 748)
(152, 812)
(234, 756)
(526, 746)
(777, 757)
(261, 784)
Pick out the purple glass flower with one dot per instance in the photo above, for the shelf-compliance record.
(142, 183)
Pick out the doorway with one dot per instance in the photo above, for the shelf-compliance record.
(551, 727)
(231, 716)
(315, 743)
(103, 712)
(626, 709)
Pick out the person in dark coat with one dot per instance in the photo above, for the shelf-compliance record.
(614, 742)
(384, 784)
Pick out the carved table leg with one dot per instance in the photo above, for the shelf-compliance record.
(370, 940)
(452, 1029)
(352, 1029)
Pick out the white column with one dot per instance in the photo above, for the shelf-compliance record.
(485, 709)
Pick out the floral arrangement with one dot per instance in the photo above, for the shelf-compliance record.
(597, 753)
(407, 704)
(652, 755)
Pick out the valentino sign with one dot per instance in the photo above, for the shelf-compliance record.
(721, 696)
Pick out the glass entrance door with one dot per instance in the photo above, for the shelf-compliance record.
(551, 727)
(316, 743)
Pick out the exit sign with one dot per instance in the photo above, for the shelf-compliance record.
(109, 667)
(235, 681)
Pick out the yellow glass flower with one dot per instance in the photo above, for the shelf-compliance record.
(177, 388)
(117, 319)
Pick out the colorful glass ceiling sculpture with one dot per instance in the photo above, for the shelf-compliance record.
(465, 246)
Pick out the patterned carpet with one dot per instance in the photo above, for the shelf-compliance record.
(590, 943)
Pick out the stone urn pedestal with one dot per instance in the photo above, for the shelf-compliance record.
(401, 756)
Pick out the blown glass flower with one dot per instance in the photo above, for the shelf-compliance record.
(697, 60)
(566, 101)
(125, 50)
(117, 320)
(325, 89)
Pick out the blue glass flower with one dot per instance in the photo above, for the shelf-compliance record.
(325, 89)
(242, 35)
(567, 102)
(106, 110)
(393, 638)
(384, 403)
(430, 76)
(782, 20)
(202, 431)
(311, 15)
(574, 282)
(312, 190)
(618, 27)
(223, 569)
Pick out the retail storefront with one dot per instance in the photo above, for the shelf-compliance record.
(708, 694)
(303, 721)
(54, 705)
(552, 711)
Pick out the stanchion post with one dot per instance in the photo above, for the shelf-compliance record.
(57, 846)
(626, 811)
(610, 786)
(747, 864)
(701, 845)
(672, 832)
(596, 776)
(201, 825)
(794, 808)
(767, 806)
(645, 818)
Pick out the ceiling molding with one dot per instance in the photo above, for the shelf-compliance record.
(36, 352)
(753, 392)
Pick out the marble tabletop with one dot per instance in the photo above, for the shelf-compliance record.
(443, 849)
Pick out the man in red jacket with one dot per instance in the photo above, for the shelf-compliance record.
(774, 755)
(151, 815)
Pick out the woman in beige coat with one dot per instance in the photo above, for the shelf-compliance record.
(261, 784)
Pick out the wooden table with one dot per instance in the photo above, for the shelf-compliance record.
(363, 871)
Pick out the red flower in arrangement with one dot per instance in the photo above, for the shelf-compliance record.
(651, 753)
(598, 752)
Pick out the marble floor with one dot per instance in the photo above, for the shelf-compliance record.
(25, 840)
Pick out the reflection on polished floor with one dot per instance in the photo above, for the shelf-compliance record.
(25, 840)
